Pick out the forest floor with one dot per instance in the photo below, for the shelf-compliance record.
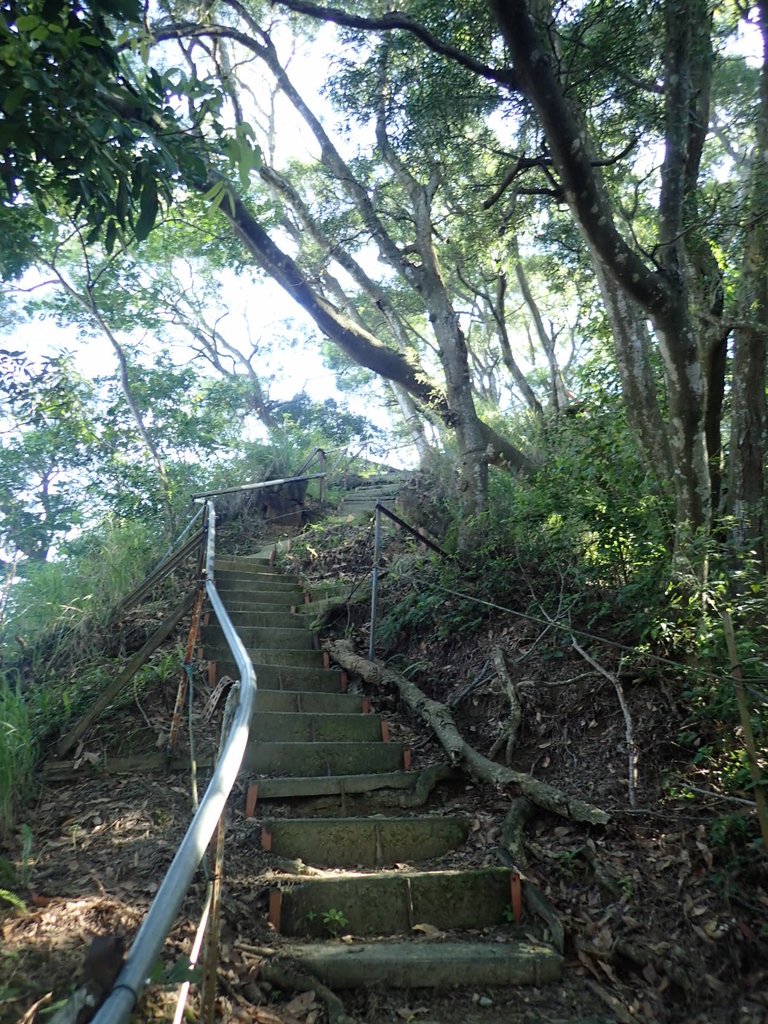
(665, 915)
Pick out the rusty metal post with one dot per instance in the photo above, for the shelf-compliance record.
(181, 693)
(375, 583)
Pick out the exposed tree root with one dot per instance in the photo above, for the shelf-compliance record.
(426, 782)
(508, 736)
(512, 843)
(284, 975)
(439, 718)
(518, 814)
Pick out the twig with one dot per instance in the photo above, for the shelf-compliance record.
(622, 1014)
(721, 796)
(629, 731)
(482, 677)
(564, 682)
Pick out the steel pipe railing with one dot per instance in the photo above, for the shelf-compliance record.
(162, 914)
(254, 487)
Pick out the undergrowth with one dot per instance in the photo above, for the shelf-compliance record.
(586, 545)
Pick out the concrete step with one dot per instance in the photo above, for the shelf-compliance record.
(280, 619)
(269, 604)
(279, 676)
(391, 903)
(264, 600)
(419, 964)
(368, 842)
(249, 566)
(309, 727)
(296, 639)
(296, 657)
(326, 758)
(328, 785)
(308, 701)
(256, 583)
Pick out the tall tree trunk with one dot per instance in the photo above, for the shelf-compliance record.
(499, 315)
(663, 294)
(746, 495)
(632, 345)
(413, 421)
(559, 398)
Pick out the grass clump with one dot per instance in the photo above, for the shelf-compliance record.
(18, 752)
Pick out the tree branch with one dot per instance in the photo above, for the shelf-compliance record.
(398, 21)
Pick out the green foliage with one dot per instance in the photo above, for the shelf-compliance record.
(334, 920)
(68, 597)
(6, 896)
(18, 752)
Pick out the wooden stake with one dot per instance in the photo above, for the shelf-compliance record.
(109, 694)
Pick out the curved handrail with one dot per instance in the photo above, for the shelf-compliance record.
(162, 914)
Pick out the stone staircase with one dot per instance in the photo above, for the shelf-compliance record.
(378, 876)
(364, 497)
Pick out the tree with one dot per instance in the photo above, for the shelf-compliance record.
(45, 444)
(590, 94)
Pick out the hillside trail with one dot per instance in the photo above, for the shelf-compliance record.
(358, 858)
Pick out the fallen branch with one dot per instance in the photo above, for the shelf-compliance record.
(440, 720)
(628, 728)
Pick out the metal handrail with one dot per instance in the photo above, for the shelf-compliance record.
(257, 486)
(180, 538)
(318, 455)
(163, 912)
(381, 509)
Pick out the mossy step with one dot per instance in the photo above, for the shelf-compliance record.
(297, 657)
(331, 785)
(390, 903)
(280, 676)
(308, 727)
(308, 701)
(369, 842)
(296, 639)
(420, 964)
(325, 758)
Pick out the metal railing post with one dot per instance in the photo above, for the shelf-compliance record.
(375, 583)
(322, 460)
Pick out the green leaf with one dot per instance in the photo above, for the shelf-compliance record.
(13, 100)
(128, 9)
(13, 899)
(110, 237)
(27, 22)
(148, 208)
